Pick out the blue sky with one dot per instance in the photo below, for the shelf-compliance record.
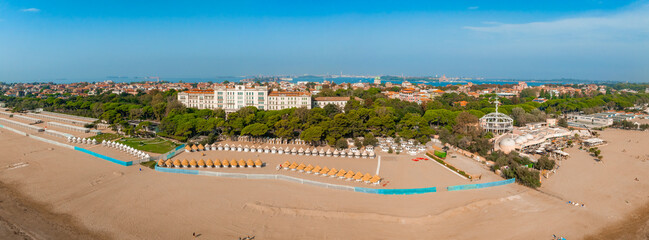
(585, 39)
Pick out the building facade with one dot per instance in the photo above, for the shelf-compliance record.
(284, 100)
(201, 99)
(234, 98)
(338, 101)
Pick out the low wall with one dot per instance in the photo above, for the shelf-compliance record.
(298, 180)
(14, 130)
(70, 147)
(51, 142)
(480, 185)
(107, 158)
(172, 153)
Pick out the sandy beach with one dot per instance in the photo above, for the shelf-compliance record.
(119, 202)
(22, 219)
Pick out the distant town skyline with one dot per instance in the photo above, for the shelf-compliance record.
(585, 39)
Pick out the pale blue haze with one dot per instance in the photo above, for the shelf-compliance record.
(598, 40)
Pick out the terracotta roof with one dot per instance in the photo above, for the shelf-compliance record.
(334, 99)
(199, 91)
(289, 94)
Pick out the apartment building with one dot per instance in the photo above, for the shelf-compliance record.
(201, 99)
(338, 101)
(283, 100)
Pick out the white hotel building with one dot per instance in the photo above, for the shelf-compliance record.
(229, 99)
(234, 98)
(284, 100)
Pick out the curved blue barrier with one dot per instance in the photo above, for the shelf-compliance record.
(402, 191)
(107, 158)
(480, 185)
(176, 170)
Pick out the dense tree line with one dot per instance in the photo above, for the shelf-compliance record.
(374, 116)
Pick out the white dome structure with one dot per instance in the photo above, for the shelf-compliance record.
(507, 145)
(521, 140)
(529, 136)
(496, 122)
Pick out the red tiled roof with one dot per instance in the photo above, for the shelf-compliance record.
(200, 91)
(289, 94)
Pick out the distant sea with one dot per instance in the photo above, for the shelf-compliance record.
(337, 80)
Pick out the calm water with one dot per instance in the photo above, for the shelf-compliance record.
(338, 80)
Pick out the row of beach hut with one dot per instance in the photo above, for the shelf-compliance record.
(123, 147)
(21, 125)
(334, 173)
(210, 164)
(82, 140)
(280, 150)
(30, 120)
(69, 127)
(59, 119)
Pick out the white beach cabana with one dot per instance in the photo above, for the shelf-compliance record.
(307, 151)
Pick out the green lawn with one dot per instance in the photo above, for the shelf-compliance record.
(154, 145)
(105, 136)
(149, 164)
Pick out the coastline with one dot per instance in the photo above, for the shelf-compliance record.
(23, 218)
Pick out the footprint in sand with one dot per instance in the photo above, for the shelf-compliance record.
(97, 180)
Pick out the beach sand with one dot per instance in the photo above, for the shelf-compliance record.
(125, 203)
(22, 219)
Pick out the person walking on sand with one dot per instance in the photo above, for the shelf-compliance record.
(194, 234)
